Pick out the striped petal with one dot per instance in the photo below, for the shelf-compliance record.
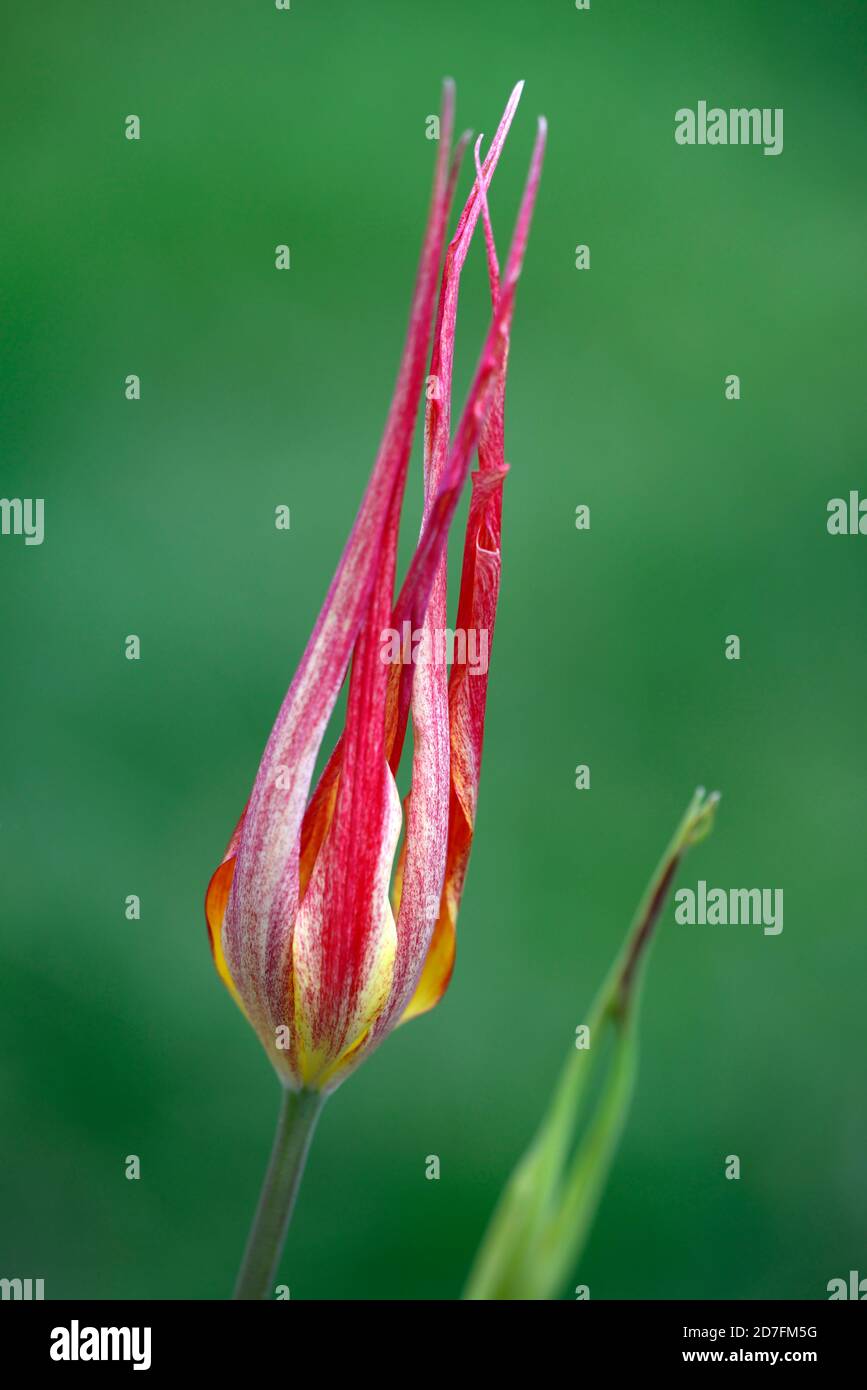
(423, 862)
(322, 1052)
(477, 608)
(300, 921)
(263, 898)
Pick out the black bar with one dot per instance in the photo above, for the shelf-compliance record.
(254, 1339)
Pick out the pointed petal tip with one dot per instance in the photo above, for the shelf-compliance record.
(515, 97)
(447, 101)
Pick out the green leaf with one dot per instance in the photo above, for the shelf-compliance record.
(541, 1222)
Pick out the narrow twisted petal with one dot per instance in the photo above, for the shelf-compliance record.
(348, 813)
(263, 897)
(353, 911)
(437, 425)
(423, 861)
(480, 584)
(412, 604)
(477, 608)
(438, 417)
(413, 598)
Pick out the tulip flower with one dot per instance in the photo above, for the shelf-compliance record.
(324, 942)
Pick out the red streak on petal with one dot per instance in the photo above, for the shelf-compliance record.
(265, 890)
(477, 608)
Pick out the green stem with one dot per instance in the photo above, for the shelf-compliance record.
(299, 1111)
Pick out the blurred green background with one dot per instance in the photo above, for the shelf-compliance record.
(260, 388)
